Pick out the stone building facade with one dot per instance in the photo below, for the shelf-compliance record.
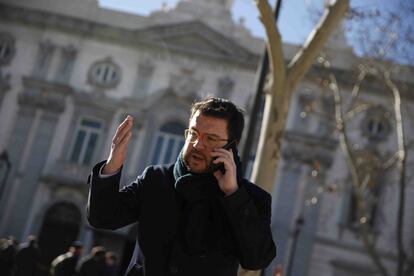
(70, 71)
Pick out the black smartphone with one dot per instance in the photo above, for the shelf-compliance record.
(220, 166)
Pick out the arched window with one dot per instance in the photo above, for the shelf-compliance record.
(60, 228)
(105, 74)
(168, 143)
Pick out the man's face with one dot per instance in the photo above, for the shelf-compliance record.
(76, 250)
(197, 156)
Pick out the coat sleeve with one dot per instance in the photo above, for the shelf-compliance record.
(248, 211)
(107, 206)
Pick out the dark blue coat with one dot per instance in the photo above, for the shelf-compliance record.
(152, 201)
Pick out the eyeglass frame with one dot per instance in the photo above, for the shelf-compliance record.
(199, 136)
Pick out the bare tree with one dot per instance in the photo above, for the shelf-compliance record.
(363, 172)
(383, 44)
(282, 83)
(388, 38)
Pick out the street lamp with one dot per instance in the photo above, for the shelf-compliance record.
(300, 221)
(4, 162)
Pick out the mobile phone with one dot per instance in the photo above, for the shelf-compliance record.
(220, 166)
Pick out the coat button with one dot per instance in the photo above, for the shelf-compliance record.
(173, 269)
(246, 212)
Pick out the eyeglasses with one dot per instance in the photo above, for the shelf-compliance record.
(208, 140)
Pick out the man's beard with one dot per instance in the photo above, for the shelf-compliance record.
(200, 155)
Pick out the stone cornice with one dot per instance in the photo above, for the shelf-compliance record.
(347, 78)
(48, 95)
(96, 100)
(132, 38)
(226, 45)
(43, 94)
(66, 173)
(308, 148)
(311, 138)
(46, 86)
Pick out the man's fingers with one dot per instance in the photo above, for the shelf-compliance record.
(121, 135)
(123, 129)
(222, 153)
(125, 139)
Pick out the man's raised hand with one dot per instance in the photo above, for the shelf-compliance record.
(119, 146)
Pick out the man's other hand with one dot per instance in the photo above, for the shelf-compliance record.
(119, 146)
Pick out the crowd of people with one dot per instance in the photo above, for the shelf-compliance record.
(25, 260)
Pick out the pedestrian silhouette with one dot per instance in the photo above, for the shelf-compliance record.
(111, 263)
(65, 264)
(8, 252)
(27, 259)
(93, 264)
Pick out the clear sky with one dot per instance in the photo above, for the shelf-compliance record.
(295, 23)
(298, 18)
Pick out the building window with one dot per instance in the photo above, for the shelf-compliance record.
(371, 175)
(86, 140)
(376, 125)
(370, 199)
(168, 143)
(303, 111)
(7, 48)
(105, 74)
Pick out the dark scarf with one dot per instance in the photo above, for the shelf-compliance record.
(202, 217)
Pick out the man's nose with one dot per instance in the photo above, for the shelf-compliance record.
(198, 144)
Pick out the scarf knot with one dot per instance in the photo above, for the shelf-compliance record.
(202, 221)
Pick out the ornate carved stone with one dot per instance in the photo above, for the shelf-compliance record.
(43, 59)
(308, 149)
(67, 61)
(185, 83)
(225, 86)
(7, 48)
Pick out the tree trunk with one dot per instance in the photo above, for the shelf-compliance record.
(282, 85)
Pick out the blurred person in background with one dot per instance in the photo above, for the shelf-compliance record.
(93, 264)
(65, 264)
(8, 252)
(111, 263)
(27, 262)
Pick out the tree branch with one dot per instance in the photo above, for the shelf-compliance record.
(345, 145)
(274, 42)
(300, 64)
(401, 165)
(356, 110)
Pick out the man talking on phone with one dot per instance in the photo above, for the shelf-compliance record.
(196, 217)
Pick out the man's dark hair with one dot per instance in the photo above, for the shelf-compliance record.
(98, 251)
(222, 109)
(77, 244)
